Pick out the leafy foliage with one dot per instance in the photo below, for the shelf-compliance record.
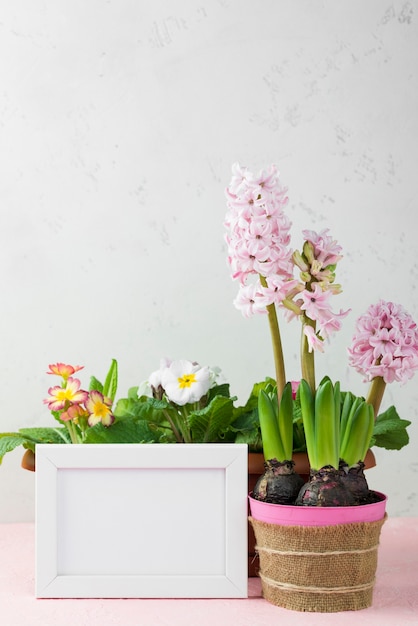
(390, 430)
(208, 425)
(123, 431)
(141, 419)
(29, 437)
(10, 441)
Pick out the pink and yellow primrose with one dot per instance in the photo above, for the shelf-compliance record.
(61, 369)
(61, 397)
(77, 408)
(99, 409)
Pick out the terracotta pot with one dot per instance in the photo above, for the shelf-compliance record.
(28, 461)
(255, 470)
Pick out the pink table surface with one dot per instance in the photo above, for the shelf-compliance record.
(395, 596)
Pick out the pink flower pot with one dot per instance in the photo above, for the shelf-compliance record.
(320, 559)
(286, 515)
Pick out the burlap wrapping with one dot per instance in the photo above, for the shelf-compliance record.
(318, 568)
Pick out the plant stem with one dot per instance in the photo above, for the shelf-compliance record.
(73, 432)
(173, 427)
(375, 395)
(277, 344)
(307, 359)
(185, 425)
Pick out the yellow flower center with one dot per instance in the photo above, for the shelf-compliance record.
(65, 394)
(100, 409)
(186, 380)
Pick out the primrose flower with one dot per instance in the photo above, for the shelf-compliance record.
(63, 370)
(61, 397)
(99, 408)
(185, 382)
(385, 344)
(155, 380)
(73, 413)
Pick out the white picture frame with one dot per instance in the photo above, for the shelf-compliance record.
(141, 521)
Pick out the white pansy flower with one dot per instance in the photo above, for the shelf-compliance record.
(185, 382)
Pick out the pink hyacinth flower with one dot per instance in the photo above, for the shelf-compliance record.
(314, 342)
(385, 343)
(316, 302)
(295, 386)
(326, 250)
(250, 300)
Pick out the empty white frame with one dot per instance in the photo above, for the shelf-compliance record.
(141, 521)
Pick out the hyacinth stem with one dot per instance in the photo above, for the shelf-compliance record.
(307, 358)
(375, 395)
(277, 344)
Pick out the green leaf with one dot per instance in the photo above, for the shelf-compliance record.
(307, 403)
(10, 441)
(285, 420)
(245, 424)
(209, 424)
(29, 437)
(251, 438)
(95, 384)
(245, 429)
(111, 382)
(326, 426)
(218, 390)
(357, 437)
(145, 408)
(123, 432)
(252, 401)
(245, 421)
(133, 392)
(390, 430)
(46, 435)
(270, 432)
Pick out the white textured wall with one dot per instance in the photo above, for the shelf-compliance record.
(119, 122)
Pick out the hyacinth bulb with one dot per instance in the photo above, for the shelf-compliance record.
(325, 488)
(279, 484)
(355, 481)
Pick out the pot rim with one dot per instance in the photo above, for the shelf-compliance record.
(293, 515)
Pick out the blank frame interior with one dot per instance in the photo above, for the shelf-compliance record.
(138, 520)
